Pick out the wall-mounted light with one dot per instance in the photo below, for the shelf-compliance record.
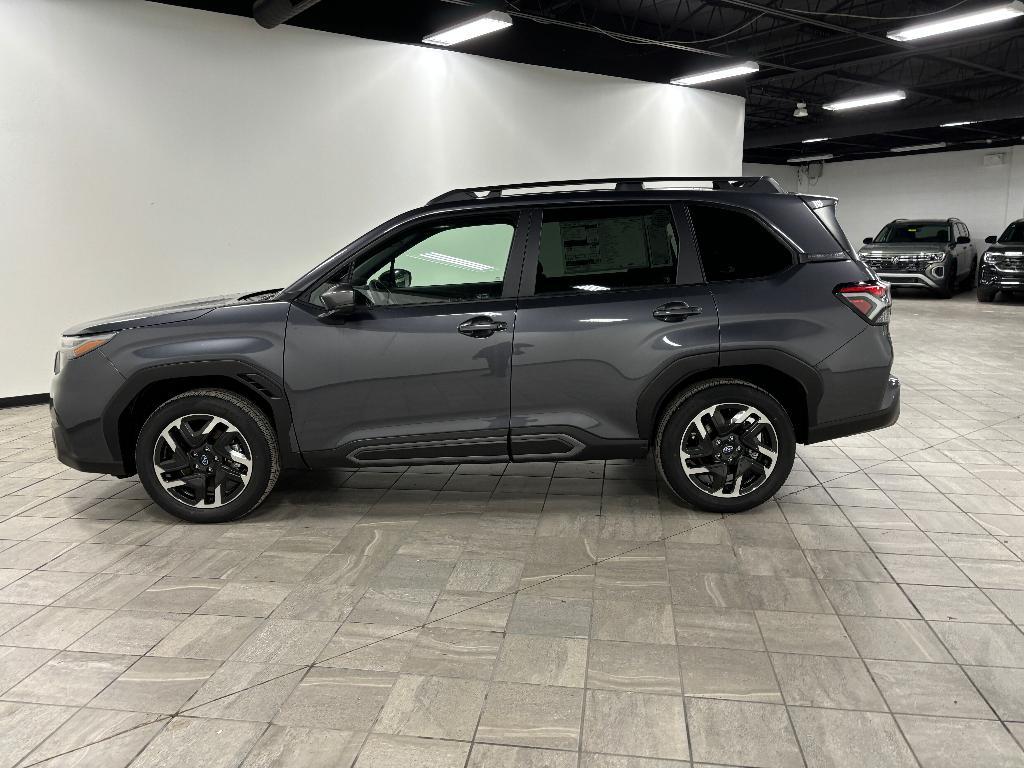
(865, 101)
(810, 159)
(467, 30)
(959, 22)
(916, 147)
(733, 70)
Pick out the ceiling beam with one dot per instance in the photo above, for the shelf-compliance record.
(837, 127)
(780, 13)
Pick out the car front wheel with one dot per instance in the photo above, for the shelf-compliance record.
(207, 456)
(725, 446)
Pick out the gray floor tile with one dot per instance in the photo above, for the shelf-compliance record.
(641, 724)
(432, 707)
(373, 647)
(70, 678)
(156, 685)
(724, 673)
(24, 726)
(928, 689)
(497, 756)
(542, 660)
(954, 604)
(633, 622)
(639, 667)
(128, 632)
(1003, 689)
(98, 737)
(463, 653)
(895, 639)
(206, 637)
(826, 681)
(805, 633)
(713, 627)
(532, 716)
(281, 747)
(946, 743)
(285, 641)
(837, 739)
(982, 644)
(741, 733)
(246, 599)
(243, 691)
(198, 743)
(342, 699)
(52, 627)
(381, 751)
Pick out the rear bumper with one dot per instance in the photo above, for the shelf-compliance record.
(886, 416)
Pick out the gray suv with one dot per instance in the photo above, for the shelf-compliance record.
(924, 253)
(716, 322)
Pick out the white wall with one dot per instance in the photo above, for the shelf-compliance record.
(150, 153)
(938, 185)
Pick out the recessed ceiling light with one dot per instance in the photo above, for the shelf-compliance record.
(467, 30)
(734, 70)
(811, 141)
(959, 22)
(865, 101)
(809, 159)
(916, 147)
(959, 122)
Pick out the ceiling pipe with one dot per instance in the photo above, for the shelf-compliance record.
(270, 13)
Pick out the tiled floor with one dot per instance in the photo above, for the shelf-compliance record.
(544, 615)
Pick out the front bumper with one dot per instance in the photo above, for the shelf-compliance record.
(70, 451)
(1001, 279)
(886, 416)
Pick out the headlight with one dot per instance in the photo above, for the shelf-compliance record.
(72, 347)
(990, 258)
(933, 256)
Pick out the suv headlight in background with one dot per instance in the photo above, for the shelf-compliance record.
(933, 256)
(72, 347)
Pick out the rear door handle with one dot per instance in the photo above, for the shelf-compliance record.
(674, 311)
(481, 327)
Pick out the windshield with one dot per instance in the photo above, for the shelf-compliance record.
(914, 232)
(1013, 234)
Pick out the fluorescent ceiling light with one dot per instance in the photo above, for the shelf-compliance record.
(453, 261)
(734, 70)
(809, 159)
(811, 141)
(959, 122)
(591, 288)
(915, 147)
(959, 22)
(481, 25)
(865, 101)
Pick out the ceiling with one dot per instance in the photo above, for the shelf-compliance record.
(812, 51)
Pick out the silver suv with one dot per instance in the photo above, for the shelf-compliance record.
(923, 253)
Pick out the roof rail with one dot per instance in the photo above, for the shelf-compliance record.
(739, 183)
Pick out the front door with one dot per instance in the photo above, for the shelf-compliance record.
(421, 373)
(612, 298)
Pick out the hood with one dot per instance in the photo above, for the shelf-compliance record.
(165, 313)
(1015, 249)
(915, 248)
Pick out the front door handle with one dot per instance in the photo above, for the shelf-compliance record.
(482, 327)
(674, 311)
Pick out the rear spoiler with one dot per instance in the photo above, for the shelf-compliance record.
(824, 207)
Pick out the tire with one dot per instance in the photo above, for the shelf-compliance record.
(949, 282)
(729, 396)
(204, 438)
(972, 277)
(986, 294)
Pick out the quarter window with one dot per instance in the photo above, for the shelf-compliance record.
(606, 249)
(736, 246)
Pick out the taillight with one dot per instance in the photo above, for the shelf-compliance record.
(870, 300)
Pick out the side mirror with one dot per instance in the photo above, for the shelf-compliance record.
(341, 300)
(396, 278)
(868, 240)
(963, 240)
(991, 239)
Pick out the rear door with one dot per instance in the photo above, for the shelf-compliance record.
(611, 297)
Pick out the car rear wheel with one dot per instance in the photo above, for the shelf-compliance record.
(207, 456)
(725, 446)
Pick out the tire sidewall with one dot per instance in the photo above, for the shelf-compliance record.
(174, 409)
(671, 437)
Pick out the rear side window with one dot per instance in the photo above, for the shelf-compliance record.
(736, 246)
(605, 249)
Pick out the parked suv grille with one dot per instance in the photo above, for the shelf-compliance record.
(897, 262)
(1008, 263)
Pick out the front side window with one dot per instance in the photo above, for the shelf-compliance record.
(915, 232)
(606, 249)
(736, 246)
(435, 264)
